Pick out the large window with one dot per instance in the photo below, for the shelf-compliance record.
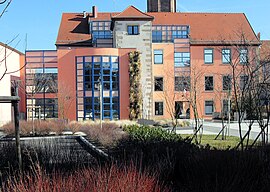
(95, 75)
(182, 83)
(158, 108)
(243, 56)
(158, 56)
(42, 80)
(209, 83)
(167, 33)
(209, 107)
(227, 82)
(226, 56)
(42, 108)
(157, 36)
(208, 56)
(101, 30)
(158, 83)
(181, 59)
(133, 29)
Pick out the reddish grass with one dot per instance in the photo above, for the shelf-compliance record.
(109, 179)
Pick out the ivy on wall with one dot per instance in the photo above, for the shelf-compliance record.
(135, 93)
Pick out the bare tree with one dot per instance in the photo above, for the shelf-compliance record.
(243, 60)
(6, 4)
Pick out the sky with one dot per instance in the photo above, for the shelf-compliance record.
(34, 24)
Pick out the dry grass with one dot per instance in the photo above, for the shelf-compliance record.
(109, 178)
(38, 127)
(110, 133)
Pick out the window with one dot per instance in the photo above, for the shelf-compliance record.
(227, 84)
(158, 83)
(158, 108)
(133, 29)
(209, 107)
(209, 83)
(43, 108)
(208, 56)
(91, 71)
(167, 33)
(158, 56)
(101, 30)
(243, 82)
(181, 59)
(226, 56)
(243, 56)
(182, 83)
(157, 36)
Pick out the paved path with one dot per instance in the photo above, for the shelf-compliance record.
(213, 128)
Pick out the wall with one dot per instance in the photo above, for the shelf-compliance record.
(166, 70)
(143, 43)
(13, 64)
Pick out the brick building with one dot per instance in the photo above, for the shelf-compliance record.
(177, 49)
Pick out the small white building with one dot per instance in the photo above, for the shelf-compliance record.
(11, 61)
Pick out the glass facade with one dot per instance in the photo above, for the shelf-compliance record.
(167, 33)
(101, 30)
(97, 87)
(41, 84)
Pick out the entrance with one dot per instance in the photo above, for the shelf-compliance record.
(182, 110)
(178, 109)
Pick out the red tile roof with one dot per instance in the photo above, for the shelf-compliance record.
(205, 28)
(132, 13)
(209, 27)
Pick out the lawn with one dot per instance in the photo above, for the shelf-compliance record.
(230, 141)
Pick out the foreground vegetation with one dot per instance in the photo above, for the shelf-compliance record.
(143, 159)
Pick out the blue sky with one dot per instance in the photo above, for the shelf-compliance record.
(40, 19)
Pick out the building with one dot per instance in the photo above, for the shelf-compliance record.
(11, 61)
(180, 54)
(161, 5)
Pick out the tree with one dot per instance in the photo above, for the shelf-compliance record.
(244, 62)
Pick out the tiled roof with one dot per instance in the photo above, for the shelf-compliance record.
(204, 27)
(73, 30)
(210, 27)
(132, 13)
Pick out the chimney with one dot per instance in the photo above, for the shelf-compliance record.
(94, 12)
(259, 35)
(84, 14)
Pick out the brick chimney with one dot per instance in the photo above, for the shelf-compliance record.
(94, 12)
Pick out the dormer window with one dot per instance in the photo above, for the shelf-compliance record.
(133, 29)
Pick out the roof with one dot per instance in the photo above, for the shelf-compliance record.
(73, 30)
(132, 13)
(205, 28)
(11, 48)
(209, 27)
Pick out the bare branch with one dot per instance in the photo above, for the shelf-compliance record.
(6, 7)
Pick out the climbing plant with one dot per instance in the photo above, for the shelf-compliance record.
(135, 95)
